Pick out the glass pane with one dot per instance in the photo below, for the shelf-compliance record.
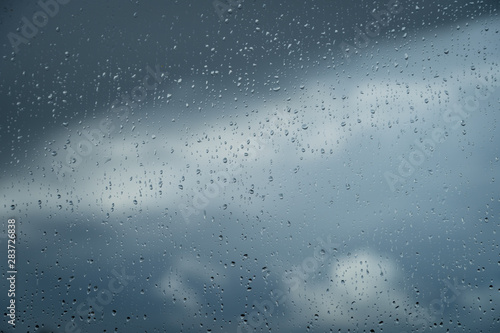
(250, 166)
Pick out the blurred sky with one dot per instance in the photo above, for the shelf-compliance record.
(320, 132)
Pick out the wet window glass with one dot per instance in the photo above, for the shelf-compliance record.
(250, 166)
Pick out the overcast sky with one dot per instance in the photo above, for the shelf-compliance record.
(263, 177)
